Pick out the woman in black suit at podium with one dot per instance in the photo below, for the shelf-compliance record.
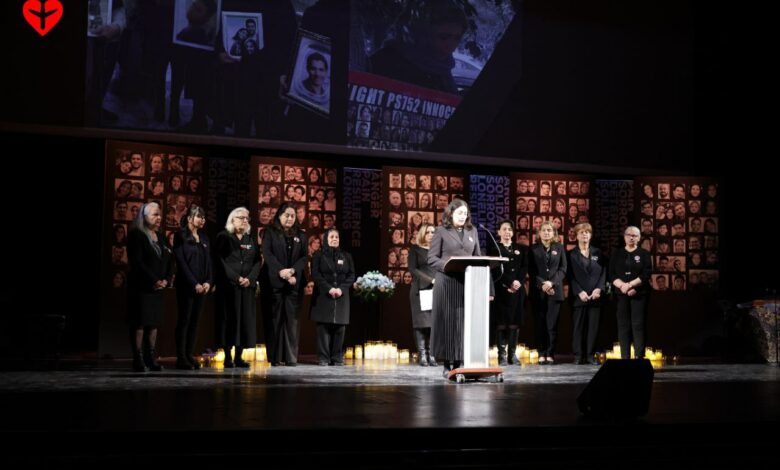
(587, 277)
(150, 273)
(240, 258)
(455, 237)
(507, 309)
(333, 272)
(423, 278)
(285, 252)
(547, 269)
(629, 272)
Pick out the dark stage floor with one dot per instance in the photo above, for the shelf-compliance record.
(384, 416)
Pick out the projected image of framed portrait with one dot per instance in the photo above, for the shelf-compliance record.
(309, 77)
(195, 23)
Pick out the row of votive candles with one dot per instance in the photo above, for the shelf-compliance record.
(256, 354)
(388, 351)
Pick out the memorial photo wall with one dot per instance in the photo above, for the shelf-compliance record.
(678, 218)
(413, 196)
(313, 187)
(563, 199)
(139, 173)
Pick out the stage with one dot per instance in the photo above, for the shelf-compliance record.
(381, 416)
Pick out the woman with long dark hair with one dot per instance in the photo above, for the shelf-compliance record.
(455, 237)
(284, 251)
(193, 260)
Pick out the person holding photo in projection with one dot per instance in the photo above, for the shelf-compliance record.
(426, 59)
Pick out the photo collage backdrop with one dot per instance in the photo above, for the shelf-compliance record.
(413, 196)
(563, 199)
(312, 186)
(140, 173)
(678, 218)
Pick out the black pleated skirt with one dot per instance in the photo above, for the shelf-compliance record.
(448, 317)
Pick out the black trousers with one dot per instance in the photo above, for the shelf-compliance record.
(547, 310)
(330, 342)
(240, 321)
(581, 316)
(631, 318)
(190, 306)
(283, 340)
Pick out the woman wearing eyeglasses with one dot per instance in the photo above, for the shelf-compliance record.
(240, 259)
(629, 273)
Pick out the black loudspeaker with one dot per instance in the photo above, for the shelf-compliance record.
(619, 390)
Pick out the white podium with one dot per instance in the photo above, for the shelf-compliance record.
(476, 328)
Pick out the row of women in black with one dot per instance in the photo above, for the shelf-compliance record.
(548, 266)
(585, 267)
(238, 272)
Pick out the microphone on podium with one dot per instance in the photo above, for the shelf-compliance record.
(498, 248)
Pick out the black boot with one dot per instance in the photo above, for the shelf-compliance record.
(512, 347)
(447, 369)
(151, 360)
(228, 358)
(138, 362)
(420, 338)
(240, 362)
(501, 339)
(181, 359)
(431, 360)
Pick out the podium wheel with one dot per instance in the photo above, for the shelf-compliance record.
(460, 378)
(500, 378)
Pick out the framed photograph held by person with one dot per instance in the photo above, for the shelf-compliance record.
(309, 76)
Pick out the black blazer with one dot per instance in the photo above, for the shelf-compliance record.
(239, 258)
(585, 276)
(193, 259)
(514, 270)
(629, 266)
(146, 266)
(541, 272)
(275, 255)
(331, 270)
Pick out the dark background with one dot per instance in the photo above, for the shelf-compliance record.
(646, 87)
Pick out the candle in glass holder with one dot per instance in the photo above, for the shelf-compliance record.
(403, 356)
(350, 353)
(534, 356)
(358, 352)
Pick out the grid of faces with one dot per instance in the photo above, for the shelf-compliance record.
(563, 201)
(680, 224)
(378, 127)
(174, 181)
(413, 199)
(311, 189)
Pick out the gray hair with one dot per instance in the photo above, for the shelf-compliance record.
(233, 214)
(139, 223)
